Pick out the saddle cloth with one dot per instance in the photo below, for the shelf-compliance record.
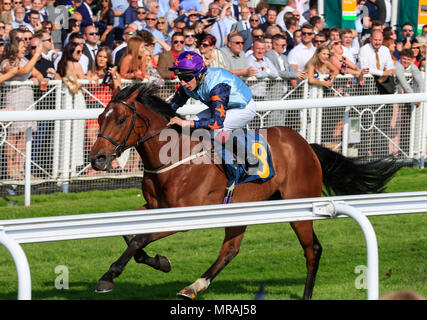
(245, 157)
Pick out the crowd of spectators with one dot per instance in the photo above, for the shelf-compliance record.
(139, 39)
(261, 41)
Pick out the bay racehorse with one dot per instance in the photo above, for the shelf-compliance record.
(134, 118)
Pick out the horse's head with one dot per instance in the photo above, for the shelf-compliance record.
(122, 126)
(117, 129)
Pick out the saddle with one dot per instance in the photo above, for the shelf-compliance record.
(245, 157)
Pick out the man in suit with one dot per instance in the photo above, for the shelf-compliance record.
(167, 59)
(291, 27)
(280, 61)
(286, 71)
(243, 23)
(117, 54)
(91, 37)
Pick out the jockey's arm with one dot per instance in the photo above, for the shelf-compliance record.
(219, 97)
(179, 99)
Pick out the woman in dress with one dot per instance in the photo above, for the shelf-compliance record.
(105, 22)
(106, 79)
(343, 64)
(319, 65)
(69, 64)
(18, 98)
(133, 62)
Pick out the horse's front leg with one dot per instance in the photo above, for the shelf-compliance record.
(105, 284)
(230, 248)
(158, 262)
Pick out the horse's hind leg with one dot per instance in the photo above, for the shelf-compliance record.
(230, 248)
(312, 253)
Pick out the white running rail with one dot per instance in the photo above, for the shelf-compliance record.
(84, 226)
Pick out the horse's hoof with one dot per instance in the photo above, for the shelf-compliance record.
(104, 286)
(187, 293)
(164, 263)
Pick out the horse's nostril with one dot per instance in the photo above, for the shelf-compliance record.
(101, 158)
(98, 161)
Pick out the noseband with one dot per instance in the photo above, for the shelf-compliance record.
(120, 147)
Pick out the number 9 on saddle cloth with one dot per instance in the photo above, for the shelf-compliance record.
(245, 157)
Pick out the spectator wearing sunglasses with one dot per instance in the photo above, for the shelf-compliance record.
(190, 39)
(18, 98)
(167, 59)
(212, 56)
(192, 17)
(6, 12)
(234, 57)
(141, 14)
(90, 48)
(46, 43)
(76, 38)
(69, 64)
(299, 55)
(43, 65)
(151, 22)
(118, 52)
(280, 61)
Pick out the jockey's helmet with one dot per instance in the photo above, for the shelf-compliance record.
(188, 65)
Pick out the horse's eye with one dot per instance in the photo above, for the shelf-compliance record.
(122, 120)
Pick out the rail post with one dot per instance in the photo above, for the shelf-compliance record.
(333, 209)
(21, 264)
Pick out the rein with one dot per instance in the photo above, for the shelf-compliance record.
(120, 147)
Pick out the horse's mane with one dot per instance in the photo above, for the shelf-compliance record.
(147, 96)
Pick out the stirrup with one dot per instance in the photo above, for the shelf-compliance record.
(229, 192)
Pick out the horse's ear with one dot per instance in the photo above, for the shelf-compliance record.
(115, 92)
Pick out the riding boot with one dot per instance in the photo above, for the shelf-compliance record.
(241, 154)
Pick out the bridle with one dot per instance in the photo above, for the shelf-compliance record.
(120, 147)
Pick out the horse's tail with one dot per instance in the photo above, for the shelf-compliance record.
(345, 176)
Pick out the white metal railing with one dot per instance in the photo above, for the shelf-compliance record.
(61, 133)
(359, 207)
(312, 104)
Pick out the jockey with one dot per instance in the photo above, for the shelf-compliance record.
(229, 99)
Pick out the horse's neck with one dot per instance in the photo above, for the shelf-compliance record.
(166, 148)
